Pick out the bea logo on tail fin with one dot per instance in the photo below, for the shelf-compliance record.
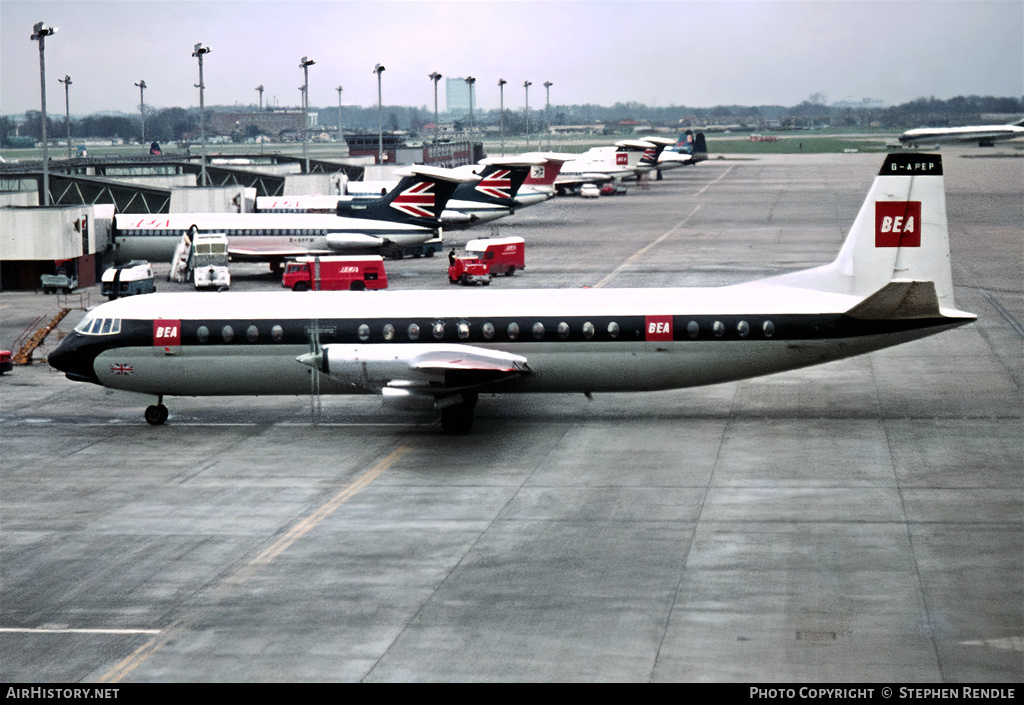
(897, 224)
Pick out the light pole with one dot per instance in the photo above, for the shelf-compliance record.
(547, 110)
(39, 33)
(435, 77)
(501, 91)
(67, 108)
(142, 107)
(341, 132)
(470, 82)
(378, 69)
(199, 51)
(304, 65)
(526, 85)
(259, 89)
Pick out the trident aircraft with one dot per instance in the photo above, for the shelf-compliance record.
(890, 284)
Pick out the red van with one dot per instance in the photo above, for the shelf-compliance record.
(488, 257)
(345, 273)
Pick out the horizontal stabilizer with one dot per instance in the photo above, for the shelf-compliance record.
(899, 300)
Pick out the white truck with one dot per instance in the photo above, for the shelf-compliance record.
(208, 261)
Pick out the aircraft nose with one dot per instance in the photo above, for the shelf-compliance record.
(73, 359)
(60, 357)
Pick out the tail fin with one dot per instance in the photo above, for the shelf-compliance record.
(544, 174)
(900, 234)
(700, 148)
(419, 198)
(649, 159)
(500, 180)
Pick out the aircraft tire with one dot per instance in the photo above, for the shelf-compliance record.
(156, 414)
(457, 420)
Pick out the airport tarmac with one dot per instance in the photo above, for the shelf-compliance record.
(861, 521)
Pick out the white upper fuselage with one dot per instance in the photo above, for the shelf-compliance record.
(969, 133)
(155, 237)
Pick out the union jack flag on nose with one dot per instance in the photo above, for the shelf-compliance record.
(497, 184)
(417, 200)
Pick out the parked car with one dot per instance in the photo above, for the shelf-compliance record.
(6, 364)
(589, 191)
(614, 188)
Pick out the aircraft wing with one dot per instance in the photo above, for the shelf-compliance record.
(428, 368)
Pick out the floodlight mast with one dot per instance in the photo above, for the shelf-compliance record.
(259, 89)
(304, 64)
(470, 82)
(142, 107)
(435, 77)
(501, 91)
(379, 69)
(526, 85)
(547, 110)
(341, 132)
(39, 34)
(67, 108)
(198, 51)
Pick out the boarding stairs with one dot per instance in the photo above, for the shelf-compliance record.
(35, 334)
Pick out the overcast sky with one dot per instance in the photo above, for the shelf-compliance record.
(670, 52)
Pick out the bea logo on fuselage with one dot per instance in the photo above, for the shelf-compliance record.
(897, 223)
(166, 332)
(659, 327)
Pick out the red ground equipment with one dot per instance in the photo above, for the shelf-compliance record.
(488, 257)
(351, 273)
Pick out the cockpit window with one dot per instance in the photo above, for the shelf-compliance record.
(99, 326)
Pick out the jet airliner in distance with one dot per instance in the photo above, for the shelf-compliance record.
(891, 283)
(984, 135)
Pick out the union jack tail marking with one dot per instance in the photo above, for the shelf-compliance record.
(417, 200)
(496, 185)
(120, 369)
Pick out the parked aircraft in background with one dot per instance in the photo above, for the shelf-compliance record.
(541, 181)
(690, 148)
(984, 135)
(404, 220)
(891, 283)
(494, 192)
(601, 164)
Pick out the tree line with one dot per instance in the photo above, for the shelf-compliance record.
(175, 124)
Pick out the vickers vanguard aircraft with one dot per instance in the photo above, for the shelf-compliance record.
(890, 284)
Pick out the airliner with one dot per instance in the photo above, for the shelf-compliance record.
(601, 164)
(890, 284)
(495, 194)
(984, 135)
(406, 219)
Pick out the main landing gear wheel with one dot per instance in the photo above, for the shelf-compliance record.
(457, 419)
(156, 414)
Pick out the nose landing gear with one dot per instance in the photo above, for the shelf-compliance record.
(157, 413)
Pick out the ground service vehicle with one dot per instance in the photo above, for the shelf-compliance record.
(6, 363)
(614, 188)
(208, 261)
(61, 281)
(337, 273)
(490, 257)
(135, 277)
